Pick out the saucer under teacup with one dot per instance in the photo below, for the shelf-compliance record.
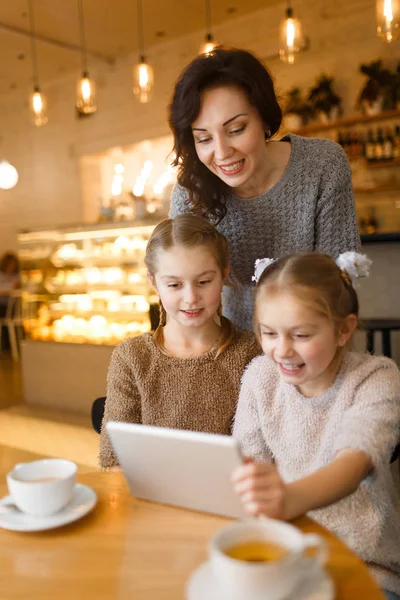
(314, 585)
(83, 500)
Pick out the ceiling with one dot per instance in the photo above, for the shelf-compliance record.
(110, 31)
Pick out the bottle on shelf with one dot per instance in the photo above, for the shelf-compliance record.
(379, 142)
(369, 223)
(388, 145)
(369, 147)
(396, 142)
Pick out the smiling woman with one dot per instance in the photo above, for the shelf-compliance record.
(268, 197)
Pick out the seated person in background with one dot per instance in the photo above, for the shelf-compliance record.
(9, 281)
(320, 422)
(185, 375)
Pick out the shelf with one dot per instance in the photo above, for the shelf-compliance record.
(381, 189)
(316, 127)
(381, 164)
(130, 315)
(374, 238)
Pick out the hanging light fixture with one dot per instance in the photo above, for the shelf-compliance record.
(8, 175)
(37, 101)
(142, 72)
(85, 86)
(388, 19)
(290, 37)
(209, 43)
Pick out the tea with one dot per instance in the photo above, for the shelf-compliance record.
(256, 551)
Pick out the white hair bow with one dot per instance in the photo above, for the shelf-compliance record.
(355, 264)
(259, 266)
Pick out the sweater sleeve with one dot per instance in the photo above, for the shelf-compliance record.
(123, 402)
(336, 225)
(372, 423)
(179, 196)
(247, 424)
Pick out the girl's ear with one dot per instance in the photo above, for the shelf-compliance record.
(347, 329)
(152, 281)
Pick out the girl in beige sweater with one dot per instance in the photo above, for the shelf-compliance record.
(187, 374)
(319, 421)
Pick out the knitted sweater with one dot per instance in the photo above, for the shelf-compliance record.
(360, 410)
(311, 208)
(199, 394)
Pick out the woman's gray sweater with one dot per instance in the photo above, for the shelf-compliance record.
(311, 208)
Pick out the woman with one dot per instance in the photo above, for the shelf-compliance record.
(269, 198)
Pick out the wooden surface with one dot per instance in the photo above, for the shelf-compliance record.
(128, 549)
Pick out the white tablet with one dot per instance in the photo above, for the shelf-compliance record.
(182, 468)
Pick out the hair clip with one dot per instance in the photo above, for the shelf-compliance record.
(356, 265)
(259, 266)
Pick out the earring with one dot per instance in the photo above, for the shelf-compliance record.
(267, 134)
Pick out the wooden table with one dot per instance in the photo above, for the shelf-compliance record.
(128, 549)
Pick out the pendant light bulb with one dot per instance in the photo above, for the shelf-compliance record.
(37, 107)
(8, 175)
(388, 19)
(86, 95)
(209, 45)
(143, 81)
(290, 38)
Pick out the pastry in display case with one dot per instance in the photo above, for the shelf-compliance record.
(85, 284)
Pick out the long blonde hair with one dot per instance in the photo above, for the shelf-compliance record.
(187, 231)
(313, 278)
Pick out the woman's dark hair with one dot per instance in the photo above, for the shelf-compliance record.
(223, 67)
(7, 259)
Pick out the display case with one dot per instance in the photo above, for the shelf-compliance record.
(85, 284)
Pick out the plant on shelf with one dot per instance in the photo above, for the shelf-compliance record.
(376, 95)
(297, 110)
(326, 104)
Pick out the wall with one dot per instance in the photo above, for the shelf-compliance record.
(342, 35)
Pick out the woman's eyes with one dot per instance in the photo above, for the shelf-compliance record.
(235, 131)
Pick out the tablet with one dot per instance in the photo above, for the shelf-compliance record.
(183, 468)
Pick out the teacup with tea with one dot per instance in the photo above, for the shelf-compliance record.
(42, 487)
(262, 559)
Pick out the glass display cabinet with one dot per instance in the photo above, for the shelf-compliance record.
(85, 284)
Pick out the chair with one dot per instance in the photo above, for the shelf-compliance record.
(98, 412)
(396, 454)
(385, 326)
(13, 321)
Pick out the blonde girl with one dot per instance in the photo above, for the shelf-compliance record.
(320, 421)
(185, 375)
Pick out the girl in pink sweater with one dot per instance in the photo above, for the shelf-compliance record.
(319, 421)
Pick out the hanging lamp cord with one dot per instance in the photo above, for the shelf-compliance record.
(83, 41)
(208, 18)
(140, 31)
(33, 48)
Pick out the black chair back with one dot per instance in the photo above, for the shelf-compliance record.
(98, 412)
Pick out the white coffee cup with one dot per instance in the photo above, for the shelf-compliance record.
(42, 487)
(273, 580)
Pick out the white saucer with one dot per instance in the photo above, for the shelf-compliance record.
(83, 500)
(318, 586)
